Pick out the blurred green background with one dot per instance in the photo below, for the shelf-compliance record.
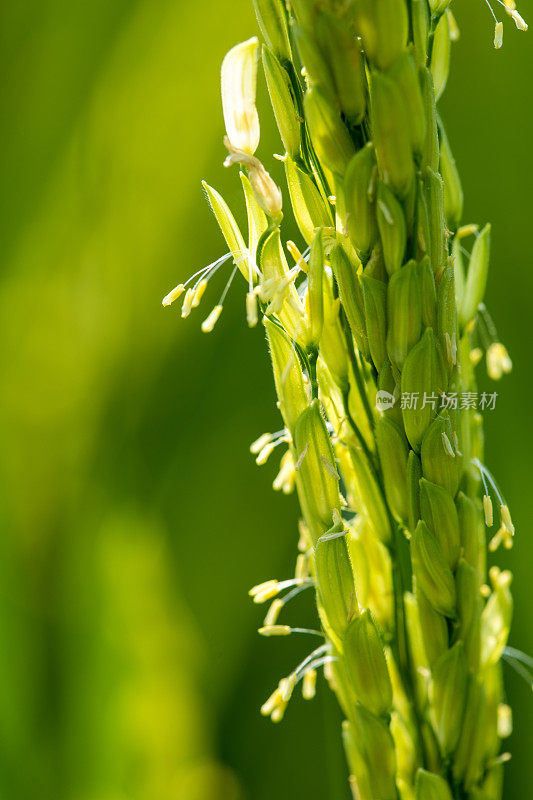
(133, 518)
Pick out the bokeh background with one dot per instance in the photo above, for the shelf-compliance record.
(133, 518)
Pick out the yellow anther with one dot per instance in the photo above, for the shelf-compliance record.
(263, 587)
(476, 354)
(199, 292)
(281, 291)
(487, 508)
(302, 567)
(497, 539)
(309, 684)
(173, 295)
(259, 443)
(251, 309)
(498, 35)
(505, 721)
(272, 702)
(500, 579)
(329, 674)
(467, 230)
(304, 541)
(264, 454)
(275, 630)
(285, 478)
(187, 303)
(299, 260)
(278, 713)
(273, 613)
(519, 21)
(287, 687)
(498, 361)
(506, 519)
(209, 323)
(267, 594)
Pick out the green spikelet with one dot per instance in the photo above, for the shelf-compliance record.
(373, 331)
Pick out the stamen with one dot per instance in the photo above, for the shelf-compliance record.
(520, 665)
(265, 438)
(271, 703)
(476, 354)
(299, 259)
(259, 443)
(263, 456)
(199, 292)
(467, 230)
(273, 612)
(503, 758)
(496, 540)
(270, 589)
(227, 286)
(309, 684)
(487, 508)
(519, 21)
(486, 475)
(498, 35)
(498, 361)
(320, 662)
(187, 303)
(302, 566)
(195, 294)
(267, 594)
(506, 519)
(500, 579)
(209, 323)
(251, 309)
(281, 291)
(286, 630)
(278, 713)
(299, 589)
(261, 587)
(267, 449)
(510, 7)
(285, 478)
(304, 540)
(518, 655)
(288, 687)
(275, 630)
(492, 11)
(312, 657)
(520, 670)
(169, 298)
(213, 267)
